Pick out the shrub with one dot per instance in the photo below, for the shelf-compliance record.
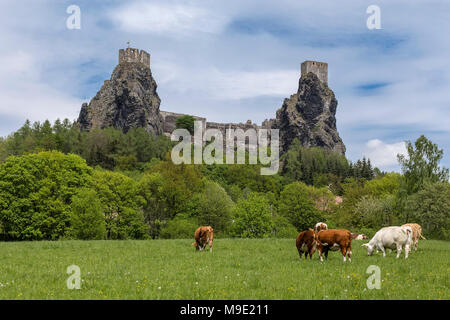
(252, 217)
(296, 206)
(36, 192)
(179, 228)
(87, 218)
(283, 228)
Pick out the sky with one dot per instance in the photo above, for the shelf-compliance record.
(234, 60)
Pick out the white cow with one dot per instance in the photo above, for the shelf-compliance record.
(391, 238)
(320, 226)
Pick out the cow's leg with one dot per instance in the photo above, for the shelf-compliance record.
(311, 252)
(382, 250)
(349, 253)
(399, 250)
(210, 246)
(406, 250)
(306, 255)
(320, 254)
(344, 252)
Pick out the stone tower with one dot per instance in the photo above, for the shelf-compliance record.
(134, 55)
(320, 69)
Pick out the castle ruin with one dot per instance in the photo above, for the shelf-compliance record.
(320, 69)
(122, 103)
(134, 55)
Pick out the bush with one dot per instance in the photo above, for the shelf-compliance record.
(185, 122)
(252, 217)
(296, 206)
(214, 207)
(179, 228)
(430, 208)
(36, 192)
(284, 229)
(87, 218)
(121, 204)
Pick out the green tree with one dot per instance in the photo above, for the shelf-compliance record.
(36, 192)
(282, 228)
(252, 217)
(166, 189)
(430, 207)
(421, 165)
(296, 205)
(214, 207)
(185, 122)
(179, 228)
(376, 213)
(87, 218)
(122, 205)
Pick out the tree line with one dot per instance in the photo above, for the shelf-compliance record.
(59, 182)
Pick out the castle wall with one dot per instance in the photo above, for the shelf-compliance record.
(170, 119)
(320, 69)
(134, 55)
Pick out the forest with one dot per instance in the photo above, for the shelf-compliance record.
(59, 182)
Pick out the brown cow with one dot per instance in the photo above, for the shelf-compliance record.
(416, 233)
(333, 239)
(306, 243)
(203, 236)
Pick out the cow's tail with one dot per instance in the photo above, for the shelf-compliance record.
(422, 237)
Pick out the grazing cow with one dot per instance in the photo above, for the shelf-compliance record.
(359, 236)
(320, 226)
(391, 238)
(306, 243)
(333, 239)
(203, 236)
(416, 233)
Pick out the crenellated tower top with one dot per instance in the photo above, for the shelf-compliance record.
(320, 69)
(134, 55)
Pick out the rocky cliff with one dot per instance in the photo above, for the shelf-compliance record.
(128, 99)
(310, 116)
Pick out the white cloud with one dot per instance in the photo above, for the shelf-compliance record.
(229, 85)
(166, 18)
(383, 155)
(25, 95)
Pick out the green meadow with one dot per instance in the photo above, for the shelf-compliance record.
(236, 269)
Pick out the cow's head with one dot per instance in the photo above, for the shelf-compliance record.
(369, 248)
(315, 235)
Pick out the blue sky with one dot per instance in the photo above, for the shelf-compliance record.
(237, 60)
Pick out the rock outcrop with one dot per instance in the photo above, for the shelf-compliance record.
(309, 115)
(129, 99)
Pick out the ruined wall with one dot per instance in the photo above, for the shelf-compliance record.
(170, 119)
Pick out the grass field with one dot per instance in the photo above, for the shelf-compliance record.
(237, 269)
